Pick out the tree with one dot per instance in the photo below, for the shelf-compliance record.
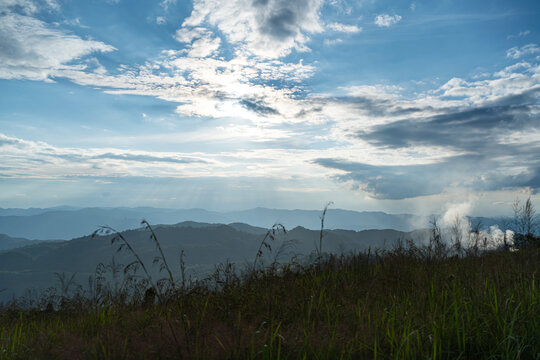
(525, 224)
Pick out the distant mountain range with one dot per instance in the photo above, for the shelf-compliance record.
(205, 245)
(69, 222)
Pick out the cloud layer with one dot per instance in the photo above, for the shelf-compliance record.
(237, 66)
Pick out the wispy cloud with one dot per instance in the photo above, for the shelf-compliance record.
(385, 20)
(520, 34)
(517, 52)
(34, 50)
(349, 29)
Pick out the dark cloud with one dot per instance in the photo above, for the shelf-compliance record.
(281, 24)
(474, 130)
(491, 162)
(258, 106)
(12, 50)
(280, 19)
(304, 112)
(407, 181)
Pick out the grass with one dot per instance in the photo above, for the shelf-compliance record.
(398, 304)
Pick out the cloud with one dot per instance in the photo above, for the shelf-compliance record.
(330, 42)
(350, 29)
(386, 20)
(461, 129)
(212, 87)
(265, 28)
(258, 106)
(165, 3)
(517, 52)
(479, 135)
(396, 182)
(28, 7)
(147, 158)
(204, 47)
(30, 49)
(25, 159)
(520, 34)
(31, 159)
(229, 68)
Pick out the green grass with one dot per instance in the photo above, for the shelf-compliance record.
(392, 305)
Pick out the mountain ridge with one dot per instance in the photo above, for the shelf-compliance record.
(204, 246)
(67, 223)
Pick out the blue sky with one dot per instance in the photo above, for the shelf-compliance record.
(376, 105)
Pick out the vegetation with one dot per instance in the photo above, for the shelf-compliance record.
(441, 300)
(525, 224)
(402, 303)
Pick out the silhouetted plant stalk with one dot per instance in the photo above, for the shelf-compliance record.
(270, 235)
(321, 233)
(183, 270)
(124, 244)
(161, 258)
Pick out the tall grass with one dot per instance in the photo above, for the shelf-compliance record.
(405, 303)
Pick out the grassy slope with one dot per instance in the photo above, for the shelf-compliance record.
(395, 306)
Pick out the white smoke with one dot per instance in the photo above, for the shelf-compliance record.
(457, 231)
(495, 238)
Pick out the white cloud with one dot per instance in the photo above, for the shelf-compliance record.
(160, 20)
(507, 82)
(204, 47)
(32, 50)
(386, 20)
(186, 35)
(330, 42)
(520, 34)
(165, 3)
(30, 159)
(350, 29)
(517, 52)
(265, 28)
(29, 7)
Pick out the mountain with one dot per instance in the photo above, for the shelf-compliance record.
(8, 242)
(205, 245)
(34, 211)
(67, 223)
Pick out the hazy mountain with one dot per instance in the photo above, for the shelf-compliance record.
(204, 244)
(68, 223)
(34, 211)
(8, 242)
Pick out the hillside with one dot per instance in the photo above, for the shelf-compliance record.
(8, 242)
(204, 245)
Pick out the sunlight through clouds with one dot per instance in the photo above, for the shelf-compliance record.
(253, 89)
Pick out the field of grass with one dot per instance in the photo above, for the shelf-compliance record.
(396, 304)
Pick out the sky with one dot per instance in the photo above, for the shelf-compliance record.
(397, 106)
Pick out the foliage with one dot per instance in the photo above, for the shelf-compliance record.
(525, 224)
(407, 302)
